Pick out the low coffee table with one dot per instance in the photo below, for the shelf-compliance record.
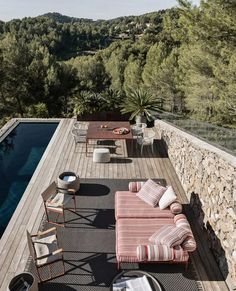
(135, 274)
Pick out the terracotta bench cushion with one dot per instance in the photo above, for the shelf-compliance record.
(127, 204)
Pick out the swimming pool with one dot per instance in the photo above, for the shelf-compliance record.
(20, 153)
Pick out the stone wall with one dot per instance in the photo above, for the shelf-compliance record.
(208, 176)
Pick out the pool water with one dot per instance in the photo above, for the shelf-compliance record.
(20, 153)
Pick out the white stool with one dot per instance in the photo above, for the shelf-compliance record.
(101, 155)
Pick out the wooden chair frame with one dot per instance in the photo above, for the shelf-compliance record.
(35, 258)
(48, 195)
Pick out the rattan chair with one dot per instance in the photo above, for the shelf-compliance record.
(45, 251)
(57, 202)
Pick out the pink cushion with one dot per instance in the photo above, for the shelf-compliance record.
(133, 232)
(141, 253)
(189, 244)
(151, 192)
(136, 186)
(155, 253)
(176, 207)
(128, 205)
(169, 235)
(180, 220)
(179, 253)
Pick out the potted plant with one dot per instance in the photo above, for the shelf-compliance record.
(140, 104)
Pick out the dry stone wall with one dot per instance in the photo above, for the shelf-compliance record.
(208, 176)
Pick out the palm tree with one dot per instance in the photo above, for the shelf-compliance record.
(140, 103)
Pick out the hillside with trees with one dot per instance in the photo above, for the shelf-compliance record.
(57, 66)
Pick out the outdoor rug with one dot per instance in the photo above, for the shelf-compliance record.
(89, 244)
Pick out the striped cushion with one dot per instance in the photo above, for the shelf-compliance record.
(189, 244)
(128, 205)
(180, 254)
(180, 220)
(169, 235)
(133, 232)
(151, 192)
(176, 207)
(154, 253)
(135, 186)
(141, 253)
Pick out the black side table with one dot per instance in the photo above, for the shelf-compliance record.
(136, 274)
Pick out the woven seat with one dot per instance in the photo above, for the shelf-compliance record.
(101, 155)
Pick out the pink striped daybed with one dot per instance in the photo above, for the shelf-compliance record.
(131, 233)
(149, 234)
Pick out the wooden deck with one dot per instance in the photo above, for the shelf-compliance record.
(62, 154)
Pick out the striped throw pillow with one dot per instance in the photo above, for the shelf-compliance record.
(135, 186)
(179, 254)
(141, 253)
(176, 207)
(154, 253)
(151, 192)
(189, 244)
(169, 235)
(180, 220)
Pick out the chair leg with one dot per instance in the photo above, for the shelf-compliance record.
(63, 263)
(50, 272)
(46, 212)
(40, 278)
(141, 149)
(118, 265)
(186, 266)
(74, 203)
(152, 149)
(64, 221)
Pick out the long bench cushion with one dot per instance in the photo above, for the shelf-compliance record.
(128, 205)
(131, 233)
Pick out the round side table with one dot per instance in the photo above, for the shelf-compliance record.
(136, 274)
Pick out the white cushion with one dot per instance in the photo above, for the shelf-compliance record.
(167, 198)
(59, 200)
(45, 246)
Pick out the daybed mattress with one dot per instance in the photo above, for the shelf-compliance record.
(128, 205)
(133, 232)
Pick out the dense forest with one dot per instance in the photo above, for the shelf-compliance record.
(58, 66)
